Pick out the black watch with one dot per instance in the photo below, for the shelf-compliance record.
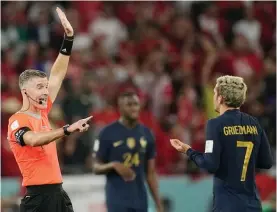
(66, 132)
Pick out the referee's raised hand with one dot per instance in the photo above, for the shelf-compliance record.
(81, 125)
(66, 24)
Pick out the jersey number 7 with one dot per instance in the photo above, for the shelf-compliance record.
(249, 147)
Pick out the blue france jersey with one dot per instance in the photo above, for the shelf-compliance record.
(235, 146)
(133, 147)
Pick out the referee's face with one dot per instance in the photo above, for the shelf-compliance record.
(130, 107)
(36, 90)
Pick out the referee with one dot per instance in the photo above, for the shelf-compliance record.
(32, 139)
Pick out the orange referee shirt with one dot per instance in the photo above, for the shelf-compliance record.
(38, 165)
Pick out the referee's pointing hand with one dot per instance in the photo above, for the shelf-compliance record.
(81, 125)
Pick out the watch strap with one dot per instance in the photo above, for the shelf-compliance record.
(66, 132)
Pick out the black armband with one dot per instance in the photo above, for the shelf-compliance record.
(19, 135)
(67, 45)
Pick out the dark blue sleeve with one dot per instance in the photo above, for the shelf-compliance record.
(102, 145)
(151, 146)
(209, 160)
(264, 159)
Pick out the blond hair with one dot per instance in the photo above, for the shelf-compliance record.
(28, 74)
(232, 89)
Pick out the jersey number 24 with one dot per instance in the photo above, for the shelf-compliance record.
(131, 159)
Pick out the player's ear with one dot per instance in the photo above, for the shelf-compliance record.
(23, 91)
(221, 100)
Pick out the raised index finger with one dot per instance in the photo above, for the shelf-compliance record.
(88, 118)
(60, 12)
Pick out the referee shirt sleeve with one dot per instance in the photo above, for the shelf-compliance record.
(17, 124)
(209, 160)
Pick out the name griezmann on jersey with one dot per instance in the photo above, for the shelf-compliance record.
(240, 130)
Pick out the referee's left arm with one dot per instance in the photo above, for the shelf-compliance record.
(59, 68)
(209, 160)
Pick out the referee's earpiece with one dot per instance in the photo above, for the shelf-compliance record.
(40, 102)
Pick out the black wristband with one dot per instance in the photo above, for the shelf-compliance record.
(67, 45)
(65, 129)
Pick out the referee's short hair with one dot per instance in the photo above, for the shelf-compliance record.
(28, 74)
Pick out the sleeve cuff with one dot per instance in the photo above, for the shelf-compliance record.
(189, 152)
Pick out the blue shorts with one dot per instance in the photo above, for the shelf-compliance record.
(119, 208)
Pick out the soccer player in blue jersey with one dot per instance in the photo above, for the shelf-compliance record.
(235, 146)
(125, 153)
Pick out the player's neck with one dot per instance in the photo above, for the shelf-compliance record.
(224, 108)
(127, 123)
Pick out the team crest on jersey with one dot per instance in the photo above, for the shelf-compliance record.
(143, 142)
(131, 143)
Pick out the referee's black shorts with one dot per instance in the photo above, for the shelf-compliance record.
(46, 198)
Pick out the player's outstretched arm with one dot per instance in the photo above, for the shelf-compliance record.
(264, 159)
(26, 137)
(59, 68)
(209, 160)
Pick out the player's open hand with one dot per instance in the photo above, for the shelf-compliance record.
(81, 125)
(126, 173)
(179, 145)
(66, 24)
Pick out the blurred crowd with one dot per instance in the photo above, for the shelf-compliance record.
(170, 53)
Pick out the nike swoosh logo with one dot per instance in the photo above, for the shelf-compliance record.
(117, 143)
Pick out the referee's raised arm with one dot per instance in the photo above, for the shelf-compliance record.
(59, 68)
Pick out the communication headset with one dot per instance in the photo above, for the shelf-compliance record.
(39, 102)
(29, 97)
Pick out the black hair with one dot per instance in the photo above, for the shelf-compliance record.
(127, 94)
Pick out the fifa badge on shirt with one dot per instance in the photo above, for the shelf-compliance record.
(143, 142)
(131, 143)
(14, 125)
(209, 146)
(96, 145)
